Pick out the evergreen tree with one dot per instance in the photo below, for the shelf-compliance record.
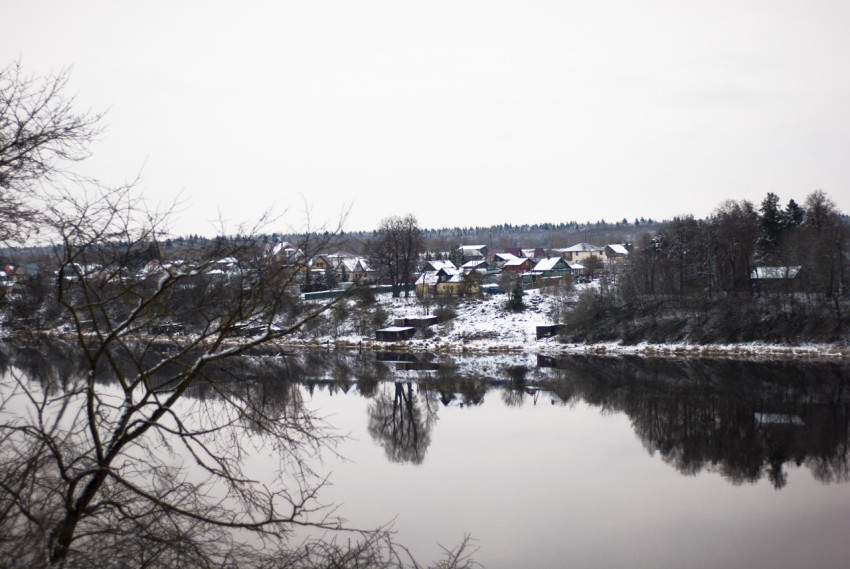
(770, 225)
(515, 301)
(331, 278)
(793, 215)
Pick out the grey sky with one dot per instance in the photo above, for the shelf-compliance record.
(462, 113)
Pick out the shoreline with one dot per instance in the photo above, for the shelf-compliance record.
(749, 351)
(550, 347)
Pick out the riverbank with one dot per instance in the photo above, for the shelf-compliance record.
(485, 326)
(552, 347)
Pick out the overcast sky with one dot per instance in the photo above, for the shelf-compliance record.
(462, 113)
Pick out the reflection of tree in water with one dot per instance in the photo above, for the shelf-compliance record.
(402, 423)
(513, 392)
(744, 420)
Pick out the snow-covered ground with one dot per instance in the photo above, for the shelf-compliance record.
(482, 324)
(485, 325)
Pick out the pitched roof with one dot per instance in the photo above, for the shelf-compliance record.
(437, 265)
(473, 264)
(428, 278)
(548, 264)
(762, 273)
(354, 264)
(579, 247)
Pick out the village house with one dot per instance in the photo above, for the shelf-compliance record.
(477, 265)
(356, 269)
(518, 266)
(549, 269)
(773, 279)
(534, 254)
(581, 252)
(492, 253)
(435, 265)
(321, 263)
(447, 281)
(473, 252)
(499, 259)
(616, 253)
(22, 273)
(285, 252)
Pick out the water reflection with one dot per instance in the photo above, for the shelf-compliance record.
(744, 420)
(401, 423)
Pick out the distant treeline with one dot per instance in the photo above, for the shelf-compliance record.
(503, 235)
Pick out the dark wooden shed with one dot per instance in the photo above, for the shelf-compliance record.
(549, 330)
(394, 333)
(416, 322)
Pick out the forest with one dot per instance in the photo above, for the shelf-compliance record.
(746, 273)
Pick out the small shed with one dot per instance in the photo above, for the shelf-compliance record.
(417, 322)
(549, 330)
(394, 333)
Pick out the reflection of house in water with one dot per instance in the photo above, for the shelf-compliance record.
(406, 361)
(459, 393)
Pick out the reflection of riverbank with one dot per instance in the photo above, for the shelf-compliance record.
(742, 418)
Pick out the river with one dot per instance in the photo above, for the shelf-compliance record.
(546, 462)
(589, 462)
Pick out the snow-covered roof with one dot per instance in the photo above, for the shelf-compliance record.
(432, 277)
(429, 278)
(619, 249)
(285, 248)
(515, 262)
(579, 247)
(505, 256)
(342, 254)
(547, 264)
(473, 264)
(355, 264)
(472, 247)
(576, 266)
(437, 265)
(760, 273)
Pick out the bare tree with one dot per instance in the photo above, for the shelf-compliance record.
(40, 133)
(94, 449)
(136, 457)
(396, 249)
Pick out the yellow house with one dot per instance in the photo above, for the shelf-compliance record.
(448, 281)
(321, 263)
(581, 252)
(464, 286)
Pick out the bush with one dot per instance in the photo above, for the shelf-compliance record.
(445, 312)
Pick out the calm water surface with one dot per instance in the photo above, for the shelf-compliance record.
(596, 463)
(573, 462)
